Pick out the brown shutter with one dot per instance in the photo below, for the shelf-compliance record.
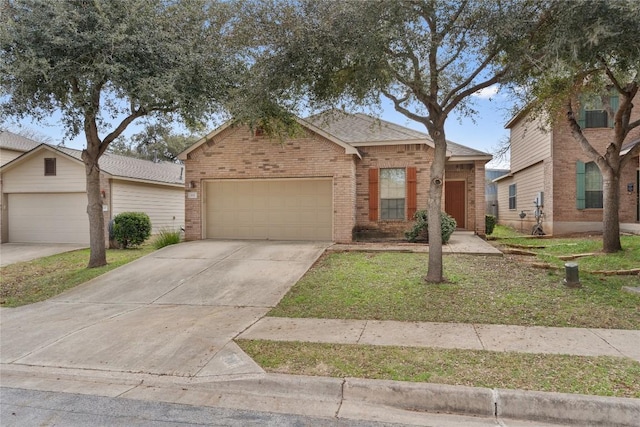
(412, 192)
(373, 194)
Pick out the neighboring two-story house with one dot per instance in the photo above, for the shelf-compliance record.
(549, 166)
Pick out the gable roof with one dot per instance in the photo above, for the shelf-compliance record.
(123, 167)
(15, 142)
(347, 148)
(351, 131)
(362, 130)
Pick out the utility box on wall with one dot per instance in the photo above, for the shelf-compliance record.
(539, 200)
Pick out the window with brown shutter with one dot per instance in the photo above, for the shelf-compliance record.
(373, 194)
(412, 192)
(49, 167)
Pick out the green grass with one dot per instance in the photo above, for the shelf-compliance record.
(628, 258)
(604, 376)
(40, 279)
(494, 290)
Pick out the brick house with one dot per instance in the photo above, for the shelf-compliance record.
(345, 176)
(551, 162)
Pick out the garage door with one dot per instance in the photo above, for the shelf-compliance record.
(269, 209)
(48, 218)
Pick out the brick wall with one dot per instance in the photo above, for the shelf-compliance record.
(566, 151)
(236, 153)
(390, 156)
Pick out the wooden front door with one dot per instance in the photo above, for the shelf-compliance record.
(455, 201)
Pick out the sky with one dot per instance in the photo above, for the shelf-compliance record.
(483, 132)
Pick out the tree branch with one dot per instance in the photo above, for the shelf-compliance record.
(462, 95)
(469, 79)
(447, 28)
(397, 103)
(120, 128)
(577, 132)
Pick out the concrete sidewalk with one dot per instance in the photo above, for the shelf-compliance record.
(520, 339)
(461, 242)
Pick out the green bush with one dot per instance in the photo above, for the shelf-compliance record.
(166, 237)
(131, 228)
(489, 224)
(421, 228)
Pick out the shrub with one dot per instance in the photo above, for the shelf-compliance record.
(421, 228)
(131, 228)
(489, 224)
(166, 237)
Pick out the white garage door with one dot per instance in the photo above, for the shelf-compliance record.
(287, 209)
(48, 218)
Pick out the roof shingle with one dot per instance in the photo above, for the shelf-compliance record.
(113, 164)
(361, 129)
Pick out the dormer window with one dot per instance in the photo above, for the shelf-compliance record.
(50, 167)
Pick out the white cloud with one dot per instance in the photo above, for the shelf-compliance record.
(487, 92)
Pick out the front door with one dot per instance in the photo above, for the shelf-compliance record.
(455, 201)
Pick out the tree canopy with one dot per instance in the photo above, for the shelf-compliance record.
(105, 63)
(156, 142)
(426, 56)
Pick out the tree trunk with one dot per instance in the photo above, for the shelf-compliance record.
(435, 271)
(610, 218)
(98, 256)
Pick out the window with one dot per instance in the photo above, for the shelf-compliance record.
(512, 196)
(392, 193)
(49, 167)
(592, 113)
(592, 186)
(588, 186)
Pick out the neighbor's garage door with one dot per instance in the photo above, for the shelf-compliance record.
(48, 218)
(269, 209)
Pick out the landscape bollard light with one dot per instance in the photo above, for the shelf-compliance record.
(571, 278)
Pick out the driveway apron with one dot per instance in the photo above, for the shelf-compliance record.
(174, 312)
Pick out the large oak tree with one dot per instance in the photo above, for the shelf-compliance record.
(428, 57)
(104, 63)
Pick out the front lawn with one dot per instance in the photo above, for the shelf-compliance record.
(549, 249)
(43, 278)
(495, 290)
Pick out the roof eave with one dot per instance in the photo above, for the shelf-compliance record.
(470, 158)
(149, 181)
(500, 178)
(348, 148)
(183, 155)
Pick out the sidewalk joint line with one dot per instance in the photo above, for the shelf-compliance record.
(366, 323)
(607, 342)
(475, 329)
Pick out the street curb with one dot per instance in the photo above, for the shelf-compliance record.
(577, 409)
(536, 406)
(329, 396)
(425, 397)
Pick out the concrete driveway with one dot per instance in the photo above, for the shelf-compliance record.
(11, 253)
(173, 312)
